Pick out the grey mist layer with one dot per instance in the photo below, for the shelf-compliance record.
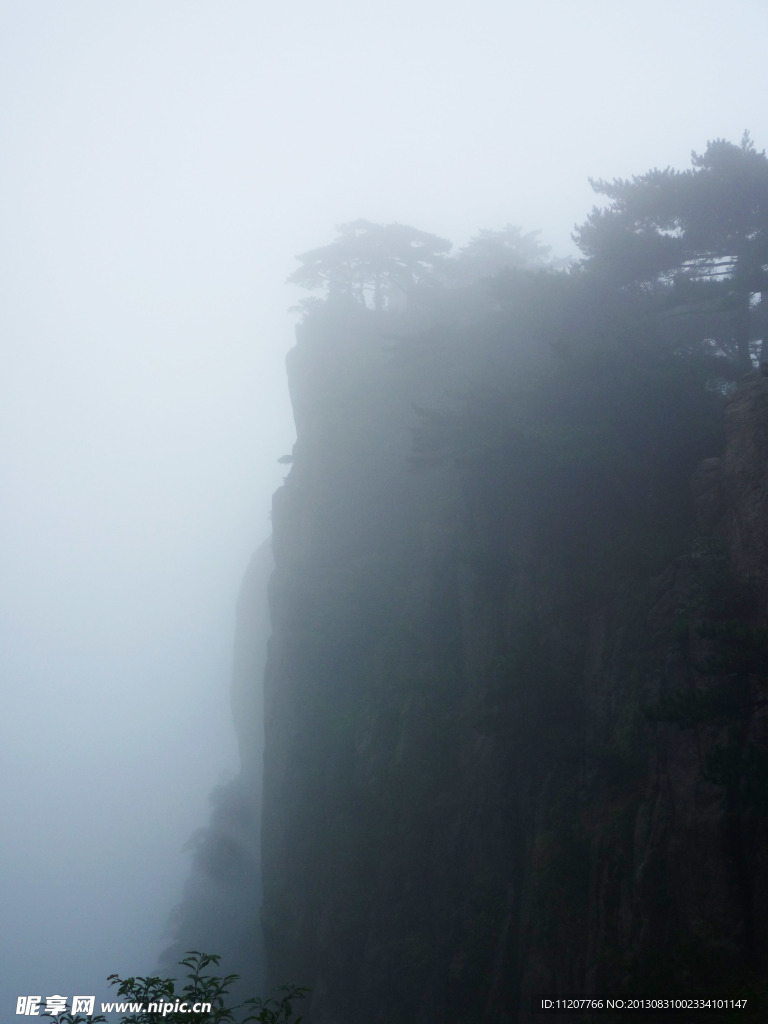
(161, 166)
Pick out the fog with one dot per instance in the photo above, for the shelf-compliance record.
(162, 163)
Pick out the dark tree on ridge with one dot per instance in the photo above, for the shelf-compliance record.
(372, 265)
(703, 231)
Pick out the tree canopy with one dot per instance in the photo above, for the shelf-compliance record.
(490, 252)
(707, 225)
(692, 243)
(373, 265)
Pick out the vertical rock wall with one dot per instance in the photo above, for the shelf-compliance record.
(492, 769)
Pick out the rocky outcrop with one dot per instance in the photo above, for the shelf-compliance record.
(494, 766)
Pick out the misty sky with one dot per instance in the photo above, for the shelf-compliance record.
(161, 162)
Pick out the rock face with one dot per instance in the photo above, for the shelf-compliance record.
(492, 767)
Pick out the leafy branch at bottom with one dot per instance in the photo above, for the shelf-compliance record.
(200, 988)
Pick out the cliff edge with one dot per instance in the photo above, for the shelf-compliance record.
(514, 712)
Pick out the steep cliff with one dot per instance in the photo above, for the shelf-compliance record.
(514, 713)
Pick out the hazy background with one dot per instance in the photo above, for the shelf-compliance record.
(161, 161)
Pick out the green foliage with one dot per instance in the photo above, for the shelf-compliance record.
(371, 265)
(75, 1018)
(707, 226)
(199, 988)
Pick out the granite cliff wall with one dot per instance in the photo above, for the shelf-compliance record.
(497, 763)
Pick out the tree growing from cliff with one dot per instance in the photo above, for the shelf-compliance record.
(700, 234)
(371, 265)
